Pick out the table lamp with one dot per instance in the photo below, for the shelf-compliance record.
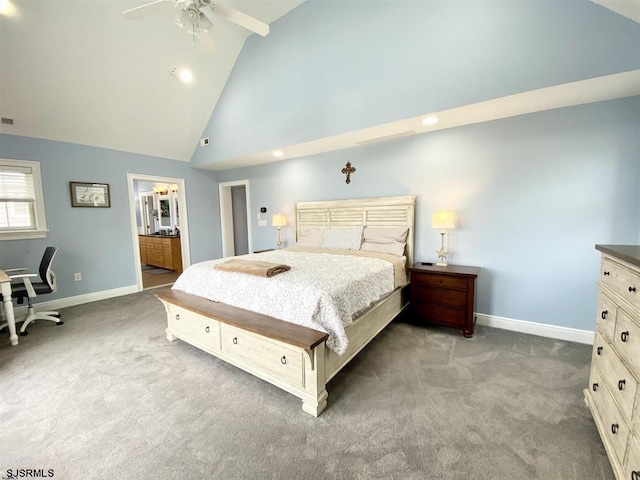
(279, 220)
(443, 221)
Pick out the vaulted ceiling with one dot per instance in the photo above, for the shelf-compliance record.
(77, 71)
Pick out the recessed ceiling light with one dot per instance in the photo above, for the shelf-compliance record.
(278, 153)
(7, 8)
(430, 120)
(182, 73)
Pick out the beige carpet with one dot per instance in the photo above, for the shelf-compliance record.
(106, 396)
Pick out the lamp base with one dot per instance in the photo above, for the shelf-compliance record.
(441, 264)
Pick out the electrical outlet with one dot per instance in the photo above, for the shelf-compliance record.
(204, 141)
(77, 276)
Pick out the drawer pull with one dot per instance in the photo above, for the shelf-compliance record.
(206, 329)
(624, 336)
(604, 314)
(635, 475)
(621, 385)
(235, 340)
(594, 387)
(599, 350)
(177, 316)
(632, 289)
(614, 428)
(606, 273)
(283, 360)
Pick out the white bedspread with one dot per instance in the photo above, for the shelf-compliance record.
(322, 291)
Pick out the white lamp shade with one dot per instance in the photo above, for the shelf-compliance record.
(279, 220)
(443, 220)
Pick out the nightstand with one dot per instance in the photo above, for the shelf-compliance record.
(444, 295)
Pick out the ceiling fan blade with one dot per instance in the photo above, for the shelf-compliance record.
(143, 10)
(242, 19)
(207, 43)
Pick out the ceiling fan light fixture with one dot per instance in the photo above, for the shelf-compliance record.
(181, 18)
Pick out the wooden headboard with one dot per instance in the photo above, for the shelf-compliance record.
(378, 212)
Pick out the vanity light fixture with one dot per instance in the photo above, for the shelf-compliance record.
(428, 121)
(160, 190)
(173, 188)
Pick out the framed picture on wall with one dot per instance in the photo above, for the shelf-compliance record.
(85, 194)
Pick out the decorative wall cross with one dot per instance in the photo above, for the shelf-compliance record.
(348, 170)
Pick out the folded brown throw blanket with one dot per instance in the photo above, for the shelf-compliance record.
(252, 267)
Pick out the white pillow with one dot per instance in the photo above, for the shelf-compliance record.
(311, 238)
(343, 238)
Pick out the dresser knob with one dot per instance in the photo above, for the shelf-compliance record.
(635, 475)
(206, 329)
(606, 273)
(604, 314)
(177, 316)
(594, 387)
(621, 385)
(632, 289)
(614, 428)
(283, 360)
(235, 340)
(599, 350)
(624, 336)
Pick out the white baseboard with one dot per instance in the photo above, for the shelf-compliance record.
(77, 300)
(533, 328)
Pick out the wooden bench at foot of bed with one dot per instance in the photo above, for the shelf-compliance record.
(289, 356)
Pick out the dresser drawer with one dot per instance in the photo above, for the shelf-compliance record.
(185, 323)
(606, 316)
(278, 359)
(439, 280)
(456, 298)
(627, 339)
(614, 427)
(632, 467)
(621, 280)
(616, 375)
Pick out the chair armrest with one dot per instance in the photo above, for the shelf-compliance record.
(27, 283)
(22, 275)
(7, 270)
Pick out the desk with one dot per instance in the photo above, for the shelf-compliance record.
(5, 289)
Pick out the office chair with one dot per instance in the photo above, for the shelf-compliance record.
(30, 290)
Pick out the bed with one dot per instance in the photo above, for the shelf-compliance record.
(297, 357)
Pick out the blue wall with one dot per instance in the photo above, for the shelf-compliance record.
(329, 67)
(97, 242)
(533, 195)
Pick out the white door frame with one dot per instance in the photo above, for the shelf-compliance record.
(226, 216)
(184, 224)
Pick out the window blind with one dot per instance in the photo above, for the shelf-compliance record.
(17, 198)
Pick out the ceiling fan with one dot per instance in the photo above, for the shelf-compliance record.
(197, 16)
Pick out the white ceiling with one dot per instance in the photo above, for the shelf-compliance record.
(77, 71)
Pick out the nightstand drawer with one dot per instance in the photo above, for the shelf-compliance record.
(454, 317)
(455, 298)
(439, 280)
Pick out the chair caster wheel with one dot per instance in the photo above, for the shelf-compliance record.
(24, 334)
(60, 322)
(57, 315)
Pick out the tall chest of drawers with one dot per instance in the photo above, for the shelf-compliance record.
(613, 395)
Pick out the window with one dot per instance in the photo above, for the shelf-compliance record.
(21, 201)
